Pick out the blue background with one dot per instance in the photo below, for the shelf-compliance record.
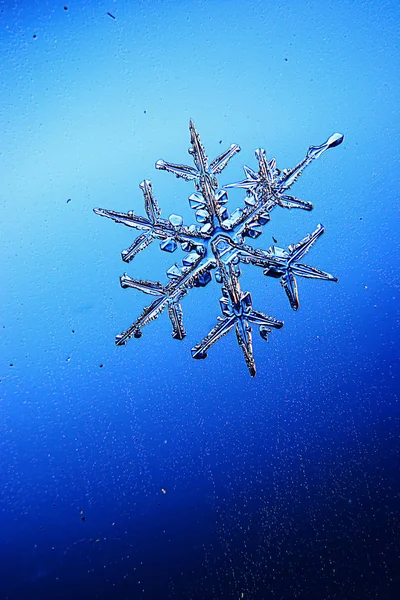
(285, 486)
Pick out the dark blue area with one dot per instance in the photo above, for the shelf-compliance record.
(136, 472)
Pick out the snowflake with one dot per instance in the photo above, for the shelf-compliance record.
(217, 243)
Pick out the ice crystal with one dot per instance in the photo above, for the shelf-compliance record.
(217, 243)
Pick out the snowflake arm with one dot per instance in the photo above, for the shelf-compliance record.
(278, 262)
(141, 242)
(210, 201)
(263, 188)
(267, 187)
(182, 280)
(183, 171)
(223, 326)
(288, 177)
(170, 232)
(237, 310)
(284, 264)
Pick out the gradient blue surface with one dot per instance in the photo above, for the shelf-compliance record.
(137, 472)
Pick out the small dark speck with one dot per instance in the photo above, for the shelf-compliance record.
(145, 111)
(110, 15)
(101, 366)
(220, 141)
(11, 365)
(275, 240)
(34, 36)
(285, 59)
(360, 218)
(69, 200)
(83, 518)
(73, 331)
(65, 7)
